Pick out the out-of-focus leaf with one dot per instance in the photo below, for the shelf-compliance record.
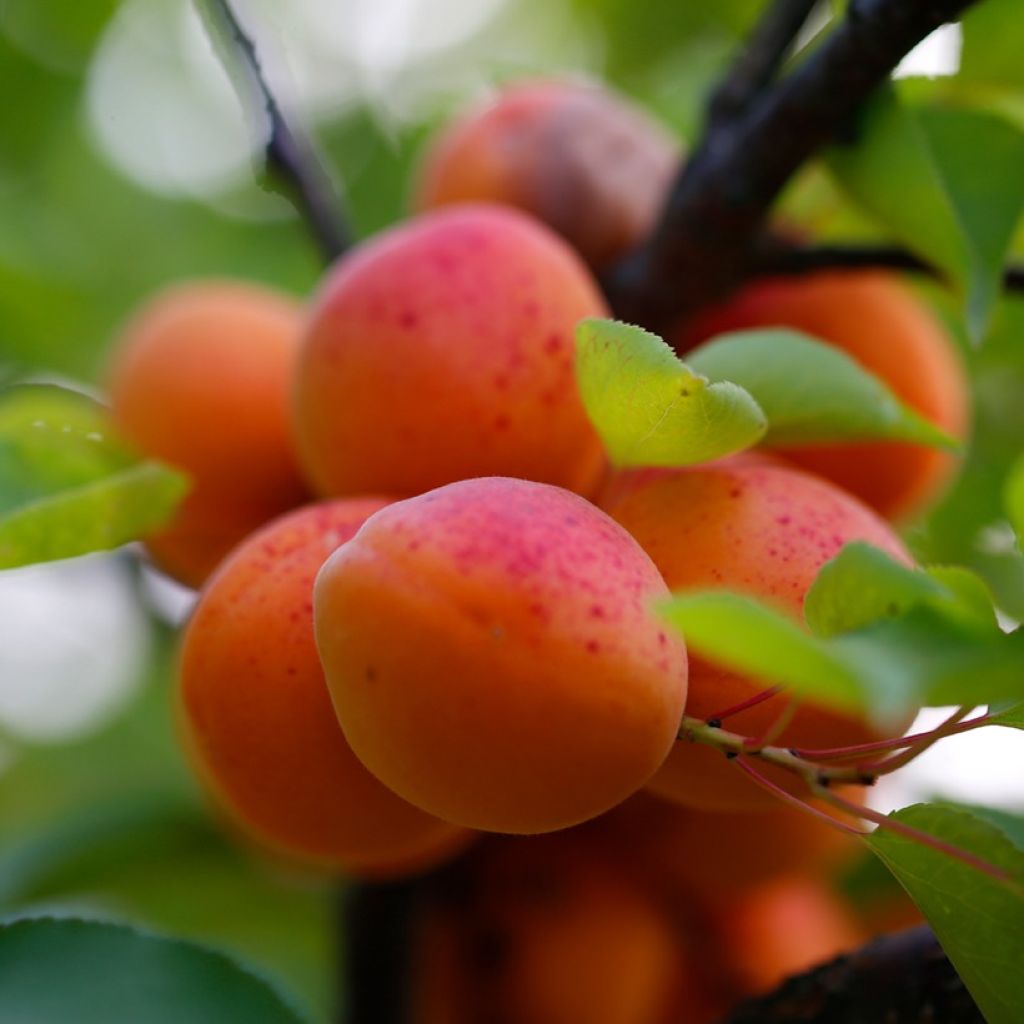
(810, 391)
(67, 485)
(649, 408)
(862, 584)
(948, 183)
(1012, 716)
(1014, 498)
(883, 670)
(993, 41)
(59, 970)
(978, 919)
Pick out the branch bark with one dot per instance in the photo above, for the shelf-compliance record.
(783, 259)
(900, 979)
(716, 211)
(290, 157)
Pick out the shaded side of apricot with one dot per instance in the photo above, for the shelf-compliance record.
(200, 377)
(443, 349)
(760, 529)
(493, 658)
(258, 722)
(880, 323)
(696, 854)
(785, 927)
(592, 166)
(548, 930)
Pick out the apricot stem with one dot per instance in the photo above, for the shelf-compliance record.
(916, 835)
(750, 702)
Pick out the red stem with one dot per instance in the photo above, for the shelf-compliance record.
(917, 836)
(765, 783)
(881, 746)
(750, 702)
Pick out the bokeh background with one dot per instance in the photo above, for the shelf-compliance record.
(127, 162)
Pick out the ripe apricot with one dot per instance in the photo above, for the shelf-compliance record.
(877, 321)
(588, 163)
(763, 529)
(258, 721)
(784, 927)
(443, 349)
(200, 377)
(699, 854)
(549, 930)
(493, 658)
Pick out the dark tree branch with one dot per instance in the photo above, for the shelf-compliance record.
(376, 921)
(782, 259)
(899, 979)
(759, 60)
(717, 208)
(289, 156)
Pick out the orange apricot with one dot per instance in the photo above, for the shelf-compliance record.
(443, 349)
(785, 927)
(588, 163)
(879, 322)
(704, 854)
(548, 930)
(493, 658)
(258, 722)
(201, 377)
(759, 528)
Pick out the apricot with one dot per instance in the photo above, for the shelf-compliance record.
(258, 722)
(688, 854)
(443, 349)
(879, 322)
(493, 657)
(548, 930)
(201, 378)
(591, 165)
(785, 927)
(759, 528)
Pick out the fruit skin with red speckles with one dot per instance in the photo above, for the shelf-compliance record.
(588, 163)
(443, 349)
(200, 376)
(876, 319)
(758, 528)
(257, 719)
(493, 656)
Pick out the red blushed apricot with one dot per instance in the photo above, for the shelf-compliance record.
(786, 927)
(443, 349)
(879, 322)
(760, 529)
(258, 721)
(201, 378)
(591, 165)
(493, 658)
(549, 930)
(690, 854)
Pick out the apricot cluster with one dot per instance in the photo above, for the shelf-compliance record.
(428, 604)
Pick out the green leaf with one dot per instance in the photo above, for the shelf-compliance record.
(948, 183)
(882, 671)
(68, 486)
(738, 632)
(862, 584)
(978, 920)
(60, 970)
(649, 408)
(993, 40)
(1012, 716)
(1013, 499)
(810, 391)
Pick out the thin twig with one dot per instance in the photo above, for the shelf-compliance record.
(744, 705)
(787, 260)
(289, 155)
(759, 60)
(919, 746)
